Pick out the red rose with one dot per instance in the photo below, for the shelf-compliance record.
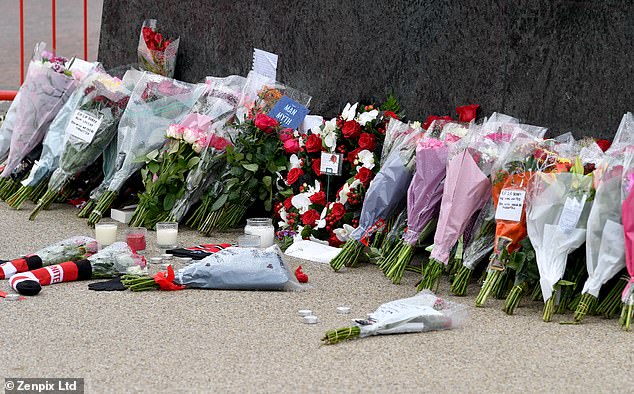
(293, 175)
(432, 118)
(286, 134)
(367, 141)
(316, 165)
(364, 175)
(390, 114)
(352, 156)
(265, 123)
(310, 217)
(334, 241)
(604, 144)
(337, 211)
(351, 129)
(291, 146)
(288, 204)
(467, 113)
(218, 143)
(318, 198)
(313, 143)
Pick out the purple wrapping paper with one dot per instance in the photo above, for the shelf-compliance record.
(466, 190)
(425, 192)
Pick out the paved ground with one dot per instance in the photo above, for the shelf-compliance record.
(229, 341)
(37, 27)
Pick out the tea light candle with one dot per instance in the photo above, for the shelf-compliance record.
(310, 319)
(305, 312)
(106, 233)
(343, 310)
(262, 227)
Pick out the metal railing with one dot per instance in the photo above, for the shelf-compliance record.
(10, 94)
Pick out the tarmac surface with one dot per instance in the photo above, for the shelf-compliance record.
(241, 341)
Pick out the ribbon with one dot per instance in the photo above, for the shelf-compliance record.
(300, 275)
(166, 282)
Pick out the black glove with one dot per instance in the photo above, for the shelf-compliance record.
(109, 285)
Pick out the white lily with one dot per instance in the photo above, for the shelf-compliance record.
(349, 112)
(343, 234)
(367, 117)
(301, 202)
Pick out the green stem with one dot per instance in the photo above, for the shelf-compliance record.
(431, 275)
(49, 196)
(348, 255)
(515, 297)
(461, 281)
(490, 283)
(104, 203)
(335, 336)
(549, 308)
(587, 304)
(87, 209)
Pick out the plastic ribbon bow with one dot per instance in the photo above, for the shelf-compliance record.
(166, 282)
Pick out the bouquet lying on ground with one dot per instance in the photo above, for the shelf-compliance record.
(48, 84)
(556, 213)
(111, 261)
(156, 53)
(385, 195)
(628, 228)
(423, 312)
(73, 248)
(199, 135)
(91, 127)
(155, 103)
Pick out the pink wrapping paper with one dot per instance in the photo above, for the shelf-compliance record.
(628, 229)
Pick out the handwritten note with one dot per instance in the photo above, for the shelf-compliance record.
(265, 63)
(84, 125)
(510, 205)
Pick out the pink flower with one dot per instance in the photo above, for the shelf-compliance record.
(499, 137)
(430, 143)
(190, 136)
(154, 178)
(286, 134)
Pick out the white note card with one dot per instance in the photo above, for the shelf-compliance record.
(84, 125)
(265, 63)
(571, 213)
(510, 205)
(331, 163)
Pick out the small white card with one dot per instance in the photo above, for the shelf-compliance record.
(265, 63)
(510, 205)
(571, 213)
(84, 125)
(331, 163)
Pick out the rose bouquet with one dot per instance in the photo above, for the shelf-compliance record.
(90, 128)
(113, 260)
(155, 103)
(69, 249)
(557, 210)
(48, 84)
(628, 228)
(384, 195)
(167, 168)
(156, 53)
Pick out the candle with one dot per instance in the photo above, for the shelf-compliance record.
(262, 227)
(135, 238)
(167, 235)
(106, 233)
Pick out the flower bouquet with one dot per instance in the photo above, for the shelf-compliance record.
(90, 128)
(113, 260)
(628, 228)
(557, 210)
(421, 313)
(385, 194)
(155, 103)
(73, 248)
(156, 53)
(47, 86)
(167, 168)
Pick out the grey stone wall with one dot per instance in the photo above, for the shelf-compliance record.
(568, 65)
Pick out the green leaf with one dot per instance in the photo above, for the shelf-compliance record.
(168, 202)
(219, 202)
(267, 205)
(565, 283)
(267, 181)
(152, 155)
(251, 167)
(287, 193)
(154, 167)
(193, 162)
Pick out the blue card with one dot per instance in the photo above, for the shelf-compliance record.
(289, 113)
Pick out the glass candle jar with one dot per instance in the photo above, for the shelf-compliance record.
(135, 238)
(262, 227)
(167, 235)
(106, 234)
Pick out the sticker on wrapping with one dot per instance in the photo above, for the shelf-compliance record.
(510, 204)
(84, 125)
(501, 244)
(264, 63)
(289, 113)
(571, 213)
(331, 163)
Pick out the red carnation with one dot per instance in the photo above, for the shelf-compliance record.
(318, 198)
(432, 118)
(310, 217)
(604, 144)
(364, 175)
(288, 204)
(316, 165)
(219, 143)
(265, 123)
(467, 113)
(291, 146)
(293, 175)
(313, 143)
(390, 114)
(367, 141)
(351, 129)
(337, 211)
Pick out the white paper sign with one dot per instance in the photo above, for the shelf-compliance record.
(84, 125)
(265, 63)
(510, 205)
(330, 163)
(571, 213)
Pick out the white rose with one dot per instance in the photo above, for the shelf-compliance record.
(190, 136)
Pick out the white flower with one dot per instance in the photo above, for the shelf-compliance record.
(198, 146)
(416, 125)
(367, 117)
(298, 234)
(295, 161)
(312, 190)
(349, 112)
(190, 136)
(301, 202)
(355, 183)
(343, 193)
(330, 126)
(367, 158)
(330, 140)
(170, 132)
(321, 223)
(343, 233)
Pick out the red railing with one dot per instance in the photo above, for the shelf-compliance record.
(10, 94)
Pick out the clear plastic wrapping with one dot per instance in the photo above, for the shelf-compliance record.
(156, 53)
